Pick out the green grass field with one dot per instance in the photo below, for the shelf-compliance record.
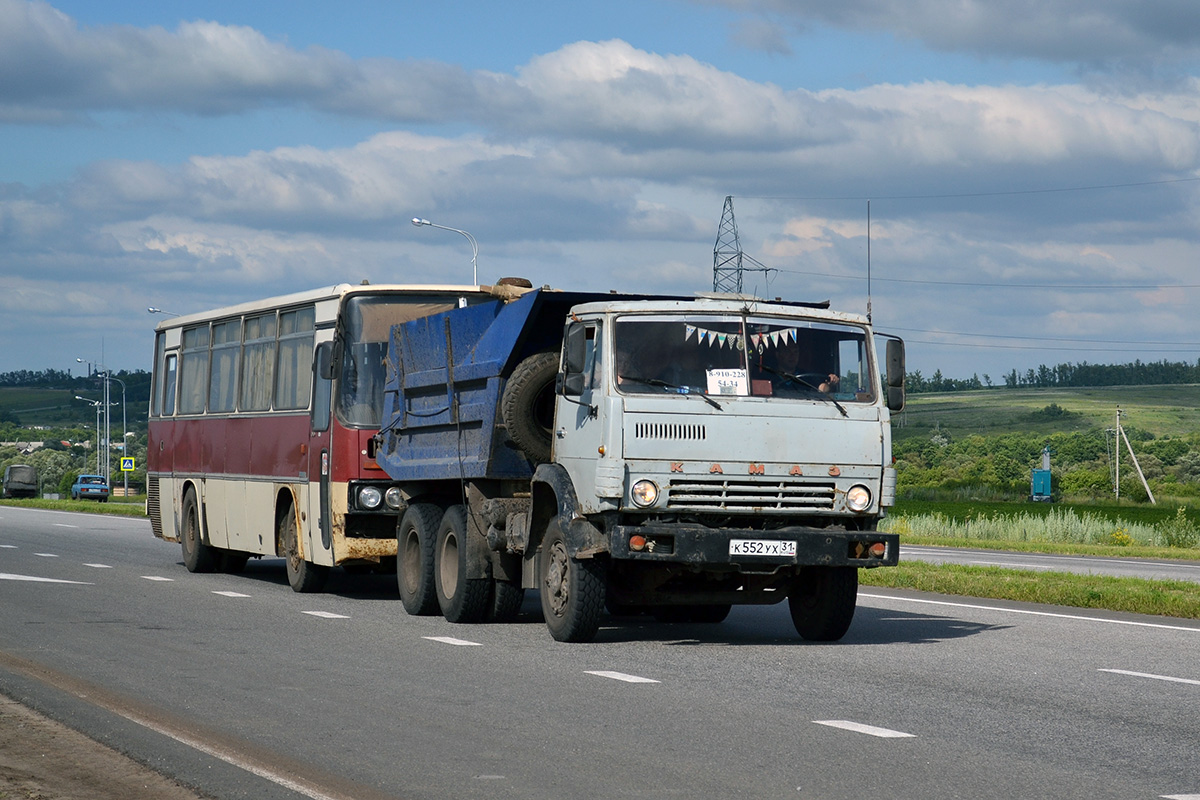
(1172, 410)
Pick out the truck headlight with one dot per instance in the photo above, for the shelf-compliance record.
(369, 497)
(858, 498)
(393, 498)
(644, 493)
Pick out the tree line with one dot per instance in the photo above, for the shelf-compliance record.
(1064, 375)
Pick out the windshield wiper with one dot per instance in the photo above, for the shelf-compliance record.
(685, 390)
(807, 385)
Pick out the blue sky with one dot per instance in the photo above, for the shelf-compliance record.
(1031, 165)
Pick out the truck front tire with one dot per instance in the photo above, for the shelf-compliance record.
(822, 601)
(572, 589)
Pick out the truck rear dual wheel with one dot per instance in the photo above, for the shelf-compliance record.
(572, 589)
(822, 601)
(415, 538)
(461, 599)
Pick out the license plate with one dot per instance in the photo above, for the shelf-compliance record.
(761, 547)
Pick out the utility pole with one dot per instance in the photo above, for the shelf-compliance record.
(1119, 436)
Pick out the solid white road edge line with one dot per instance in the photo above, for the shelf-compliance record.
(1150, 675)
(1031, 613)
(869, 730)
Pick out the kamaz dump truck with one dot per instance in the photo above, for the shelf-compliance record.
(649, 455)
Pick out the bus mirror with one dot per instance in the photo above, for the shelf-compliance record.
(324, 359)
(895, 374)
(576, 344)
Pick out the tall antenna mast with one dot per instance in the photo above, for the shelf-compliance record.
(727, 253)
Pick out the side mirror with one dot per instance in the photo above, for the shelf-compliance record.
(324, 361)
(895, 374)
(575, 348)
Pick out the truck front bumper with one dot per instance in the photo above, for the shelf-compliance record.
(754, 550)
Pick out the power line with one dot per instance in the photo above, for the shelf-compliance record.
(954, 195)
(977, 345)
(1004, 285)
(1043, 338)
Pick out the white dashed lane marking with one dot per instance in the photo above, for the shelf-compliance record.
(326, 615)
(98, 566)
(453, 641)
(8, 576)
(46, 555)
(869, 730)
(620, 676)
(231, 594)
(1153, 677)
(158, 578)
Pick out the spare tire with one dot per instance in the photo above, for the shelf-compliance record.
(528, 405)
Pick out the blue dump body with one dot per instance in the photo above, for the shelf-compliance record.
(445, 377)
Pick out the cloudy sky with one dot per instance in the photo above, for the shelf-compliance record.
(1031, 167)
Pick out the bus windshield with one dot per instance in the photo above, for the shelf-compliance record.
(365, 325)
(743, 356)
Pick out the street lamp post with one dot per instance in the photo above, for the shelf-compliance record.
(107, 373)
(474, 245)
(95, 404)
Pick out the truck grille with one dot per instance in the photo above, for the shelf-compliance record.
(669, 430)
(724, 494)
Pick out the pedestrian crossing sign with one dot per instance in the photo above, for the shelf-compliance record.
(126, 465)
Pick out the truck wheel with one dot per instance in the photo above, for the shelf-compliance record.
(461, 599)
(528, 405)
(822, 602)
(506, 601)
(572, 589)
(415, 536)
(303, 576)
(197, 556)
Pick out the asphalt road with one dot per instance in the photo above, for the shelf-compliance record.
(1149, 569)
(236, 685)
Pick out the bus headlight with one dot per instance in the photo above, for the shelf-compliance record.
(393, 498)
(369, 497)
(858, 498)
(644, 493)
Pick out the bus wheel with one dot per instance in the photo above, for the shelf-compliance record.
(414, 558)
(303, 576)
(233, 561)
(572, 589)
(822, 601)
(197, 556)
(461, 599)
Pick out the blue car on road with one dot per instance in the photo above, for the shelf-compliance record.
(90, 487)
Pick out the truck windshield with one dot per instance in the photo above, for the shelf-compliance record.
(743, 356)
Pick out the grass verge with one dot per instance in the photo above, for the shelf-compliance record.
(118, 506)
(1133, 595)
